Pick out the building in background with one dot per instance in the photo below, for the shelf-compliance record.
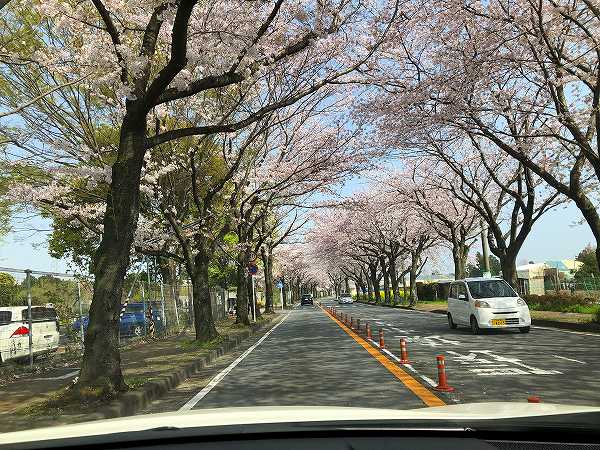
(552, 275)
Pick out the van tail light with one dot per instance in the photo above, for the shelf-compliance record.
(21, 331)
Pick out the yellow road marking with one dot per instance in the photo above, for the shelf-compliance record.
(415, 387)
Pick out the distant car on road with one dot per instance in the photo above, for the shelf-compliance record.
(14, 331)
(306, 300)
(132, 322)
(345, 297)
(486, 303)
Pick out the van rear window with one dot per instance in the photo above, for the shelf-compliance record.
(40, 314)
(5, 317)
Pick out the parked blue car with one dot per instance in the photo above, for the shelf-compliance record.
(132, 322)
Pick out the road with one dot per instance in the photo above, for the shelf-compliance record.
(310, 358)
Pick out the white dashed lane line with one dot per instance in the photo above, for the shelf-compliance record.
(219, 377)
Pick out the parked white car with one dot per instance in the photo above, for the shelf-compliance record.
(14, 331)
(486, 303)
(345, 298)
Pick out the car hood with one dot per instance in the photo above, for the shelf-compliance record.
(207, 418)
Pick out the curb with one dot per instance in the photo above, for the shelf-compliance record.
(133, 401)
(589, 327)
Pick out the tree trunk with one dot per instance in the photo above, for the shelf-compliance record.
(369, 288)
(241, 301)
(267, 259)
(459, 254)
(394, 280)
(414, 267)
(386, 280)
(101, 364)
(375, 282)
(508, 264)
(203, 318)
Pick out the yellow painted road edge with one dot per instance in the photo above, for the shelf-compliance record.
(413, 385)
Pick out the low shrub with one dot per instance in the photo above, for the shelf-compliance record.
(562, 303)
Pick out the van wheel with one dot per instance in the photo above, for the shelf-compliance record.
(451, 323)
(524, 329)
(475, 326)
(137, 330)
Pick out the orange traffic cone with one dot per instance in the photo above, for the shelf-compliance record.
(442, 380)
(403, 352)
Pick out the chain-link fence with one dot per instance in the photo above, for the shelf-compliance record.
(585, 287)
(148, 308)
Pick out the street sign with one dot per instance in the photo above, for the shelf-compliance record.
(252, 269)
(279, 284)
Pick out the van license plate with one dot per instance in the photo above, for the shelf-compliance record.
(498, 322)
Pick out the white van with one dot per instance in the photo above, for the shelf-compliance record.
(486, 303)
(14, 331)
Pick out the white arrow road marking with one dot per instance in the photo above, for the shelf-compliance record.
(569, 359)
(471, 358)
(487, 371)
(517, 362)
(445, 341)
(217, 379)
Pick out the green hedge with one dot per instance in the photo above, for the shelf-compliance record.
(562, 303)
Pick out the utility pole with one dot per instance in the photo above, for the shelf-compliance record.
(80, 313)
(253, 300)
(29, 319)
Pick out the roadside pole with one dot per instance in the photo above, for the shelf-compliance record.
(30, 324)
(190, 303)
(81, 333)
(143, 306)
(253, 301)
(175, 303)
(162, 304)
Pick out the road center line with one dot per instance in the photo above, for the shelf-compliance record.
(412, 384)
(219, 377)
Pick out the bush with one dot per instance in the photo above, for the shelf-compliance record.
(426, 291)
(561, 303)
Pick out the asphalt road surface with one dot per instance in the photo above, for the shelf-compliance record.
(310, 358)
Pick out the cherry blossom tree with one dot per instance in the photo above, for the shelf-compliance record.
(367, 234)
(519, 75)
(145, 57)
(453, 220)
